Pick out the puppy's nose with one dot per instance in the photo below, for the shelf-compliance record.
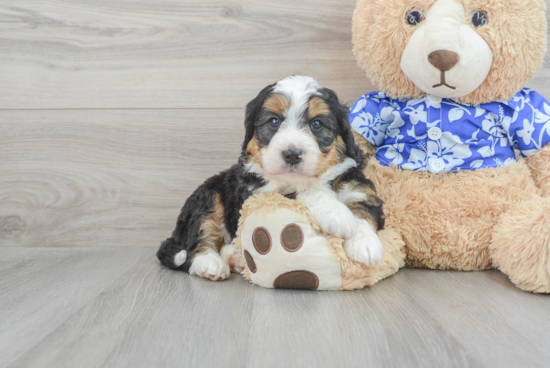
(444, 60)
(292, 156)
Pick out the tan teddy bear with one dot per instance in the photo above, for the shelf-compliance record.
(458, 151)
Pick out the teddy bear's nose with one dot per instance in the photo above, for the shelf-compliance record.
(444, 60)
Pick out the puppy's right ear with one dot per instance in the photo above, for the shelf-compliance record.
(252, 110)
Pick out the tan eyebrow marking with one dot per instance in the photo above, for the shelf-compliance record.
(277, 104)
(317, 107)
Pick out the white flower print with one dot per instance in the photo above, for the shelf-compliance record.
(477, 164)
(370, 127)
(474, 138)
(455, 114)
(527, 132)
(417, 160)
(486, 151)
(394, 153)
(521, 100)
(541, 118)
(417, 115)
(378, 97)
(479, 112)
(509, 161)
(491, 124)
(395, 121)
(359, 105)
(506, 122)
(451, 149)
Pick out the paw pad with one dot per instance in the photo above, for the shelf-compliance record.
(292, 238)
(261, 240)
(250, 262)
(305, 280)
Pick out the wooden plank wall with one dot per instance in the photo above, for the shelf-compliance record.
(112, 112)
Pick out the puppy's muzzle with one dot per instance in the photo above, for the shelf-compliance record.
(292, 156)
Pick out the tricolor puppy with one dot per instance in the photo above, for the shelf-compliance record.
(299, 143)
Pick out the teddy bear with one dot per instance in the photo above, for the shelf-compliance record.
(457, 147)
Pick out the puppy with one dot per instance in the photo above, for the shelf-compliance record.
(299, 143)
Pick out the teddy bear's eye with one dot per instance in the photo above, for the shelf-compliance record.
(480, 19)
(415, 17)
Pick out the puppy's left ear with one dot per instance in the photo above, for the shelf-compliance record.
(341, 112)
(253, 108)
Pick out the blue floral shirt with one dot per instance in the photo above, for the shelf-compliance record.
(436, 135)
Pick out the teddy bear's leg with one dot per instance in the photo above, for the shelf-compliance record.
(521, 245)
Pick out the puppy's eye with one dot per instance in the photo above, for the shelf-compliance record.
(415, 17)
(274, 123)
(315, 125)
(479, 19)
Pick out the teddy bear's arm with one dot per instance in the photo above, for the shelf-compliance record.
(540, 168)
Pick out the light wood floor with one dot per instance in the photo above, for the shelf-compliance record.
(111, 113)
(116, 307)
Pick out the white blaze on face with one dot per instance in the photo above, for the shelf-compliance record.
(294, 131)
(444, 29)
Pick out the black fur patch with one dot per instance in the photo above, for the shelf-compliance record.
(264, 132)
(340, 113)
(374, 205)
(328, 132)
(253, 110)
(234, 187)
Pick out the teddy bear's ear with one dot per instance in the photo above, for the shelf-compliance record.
(253, 108)
(341, 111)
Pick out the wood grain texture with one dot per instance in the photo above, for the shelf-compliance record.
(106, 177)
(173, 53)
(41, 288)
(145, 316)
(170, 53)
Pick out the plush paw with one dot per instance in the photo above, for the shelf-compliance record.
(364, 246)
(211, 266)
(230, 254)
(336, 220)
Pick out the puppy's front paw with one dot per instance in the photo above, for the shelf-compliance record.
(364, 246)
(336, 221)
(210, 266)
(230, 254)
